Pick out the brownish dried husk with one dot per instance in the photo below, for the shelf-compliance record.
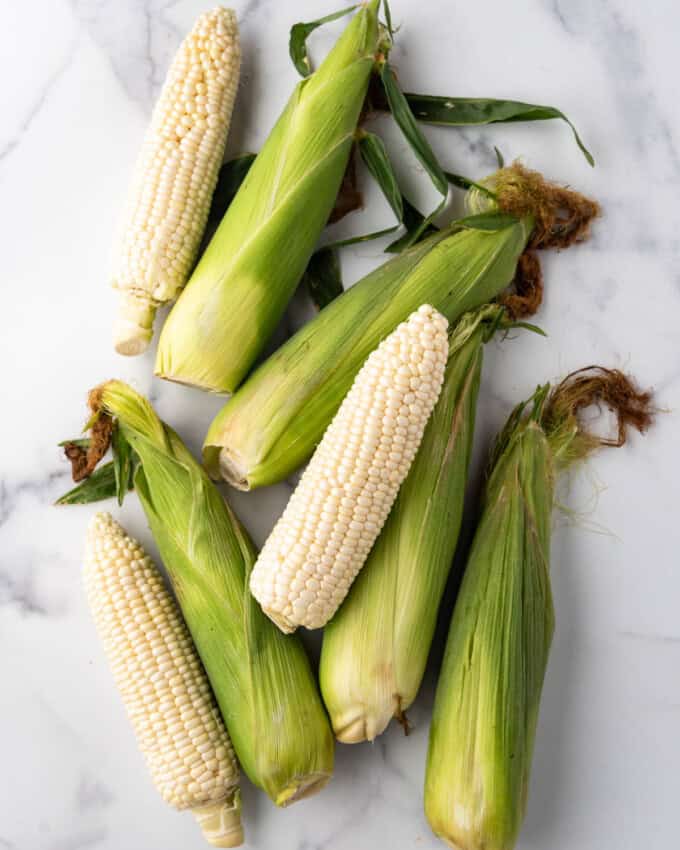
(526, 291)
(83, 461)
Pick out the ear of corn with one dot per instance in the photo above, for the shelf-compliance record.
(375, 648)
(337, 510)
(176, 175)
(162, 683)
(487, 700)
(271, 425)
(240, 288)
(261, 679)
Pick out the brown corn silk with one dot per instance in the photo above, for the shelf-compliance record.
(487, 700)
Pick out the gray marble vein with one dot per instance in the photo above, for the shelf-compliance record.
(34, 108)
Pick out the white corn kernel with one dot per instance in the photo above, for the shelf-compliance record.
(357, 488)
(174, 715)
(175, 176)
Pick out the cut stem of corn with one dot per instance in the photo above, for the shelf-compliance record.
(175, 176)
(248, 273)
(262, 680)
(163, 685)
(487, 700)
(332, 519)
(375, 648)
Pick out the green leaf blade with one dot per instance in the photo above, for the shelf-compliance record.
(323, 277)
(406, 120)
(99, 486)
(375, 156)
(476, 111)
(297, 44)
(417, 227)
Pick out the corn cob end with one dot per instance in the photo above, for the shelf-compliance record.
(133, 328)
(359, 725)
(312, 784)
(232, 468)
(355, 731)
(221, 822)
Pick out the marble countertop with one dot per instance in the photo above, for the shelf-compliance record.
(80, 77)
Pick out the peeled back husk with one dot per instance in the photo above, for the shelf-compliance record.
(240, 288)
(272, 424)
(487, 700)
(261, 679)
(376, 647)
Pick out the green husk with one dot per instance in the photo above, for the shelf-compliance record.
(375, 648)
(487, 700)
(247, 275)
(261, 678)
(272, 424)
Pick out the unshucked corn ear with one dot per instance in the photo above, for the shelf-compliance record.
(271, 425)
(375, 648)
(261, 679)
(176, 175)
(164, 687)
(241, 286)
(337, 510)
(487, 700)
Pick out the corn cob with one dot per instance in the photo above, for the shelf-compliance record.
(375, 648)
(336, 512)
(241, 286)
(272, 424)
(164, 688)
(175, 176)
(487, 699)
(262, 680)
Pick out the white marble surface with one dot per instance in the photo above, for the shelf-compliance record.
(79, 80)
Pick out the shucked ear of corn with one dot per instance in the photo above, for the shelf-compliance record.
(261, 679)
(375, 648)
(176, 175)
(487, 699)
(162, 683)
(337, 510)
(241, 286)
